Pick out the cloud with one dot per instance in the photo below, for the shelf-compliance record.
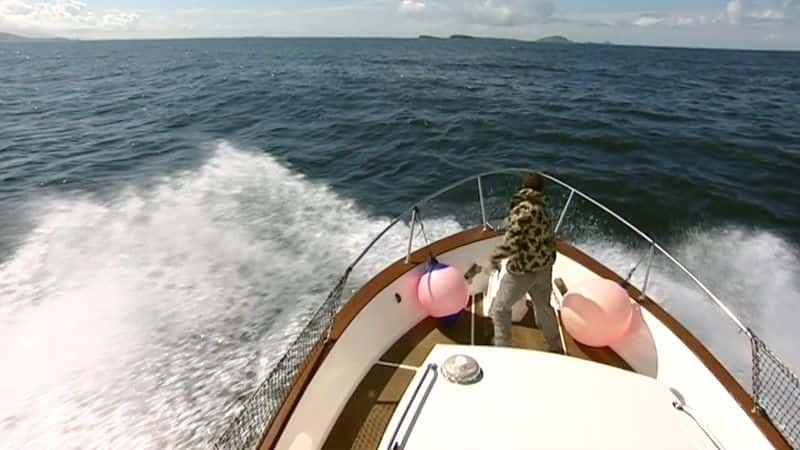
(734, 10)
(500, 13)
(647, 20)
(675, 19)
(754, 12)
(512, 13)
(62, 16)
(686, 21)
(509, 12)
(411, 7)
(737, 13)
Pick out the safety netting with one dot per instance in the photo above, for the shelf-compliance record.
(776, 391)
(247, 427)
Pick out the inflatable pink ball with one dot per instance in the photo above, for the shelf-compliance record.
(597, 313)
(636, 325)
(406, 286)
(442, 290)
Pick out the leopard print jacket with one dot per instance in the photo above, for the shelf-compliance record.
(529, 242)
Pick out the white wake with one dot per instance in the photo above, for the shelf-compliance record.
(138, 322)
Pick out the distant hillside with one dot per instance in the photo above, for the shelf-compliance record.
(554, 40)
(466, 37)
(544, 40)
(8, 37)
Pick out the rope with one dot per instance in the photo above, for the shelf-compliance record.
(432, 257)
(421, 225)
(627, 279)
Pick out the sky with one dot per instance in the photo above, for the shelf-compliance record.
(756, 24)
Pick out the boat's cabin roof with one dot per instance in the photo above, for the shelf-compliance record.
(534, 399)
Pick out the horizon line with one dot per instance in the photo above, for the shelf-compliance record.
(444, 38)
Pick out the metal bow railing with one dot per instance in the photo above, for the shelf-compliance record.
(776, 389)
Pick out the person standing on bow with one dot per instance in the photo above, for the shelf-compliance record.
(529, 245)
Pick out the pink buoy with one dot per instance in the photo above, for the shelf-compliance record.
(406, 286)
(597, 313)
(637, 346)
(442, 290)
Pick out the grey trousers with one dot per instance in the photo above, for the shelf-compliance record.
(512, 288)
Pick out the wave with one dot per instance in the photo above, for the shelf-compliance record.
(139, 321)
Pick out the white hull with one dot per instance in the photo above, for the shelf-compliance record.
(656, 352)
(353, 377)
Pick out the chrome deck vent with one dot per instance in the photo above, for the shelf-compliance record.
(462, 369)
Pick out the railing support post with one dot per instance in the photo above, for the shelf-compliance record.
(564, 211)
(411, 234)
(755, 374)
(480, 197)
(643, 294)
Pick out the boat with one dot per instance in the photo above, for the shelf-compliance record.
(373, 370)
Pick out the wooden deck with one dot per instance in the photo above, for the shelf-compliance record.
(362, 423)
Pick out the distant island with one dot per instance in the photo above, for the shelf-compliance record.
(8, 37)
(554, 40)
(544, 40)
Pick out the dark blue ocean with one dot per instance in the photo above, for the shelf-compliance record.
(172, 211)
